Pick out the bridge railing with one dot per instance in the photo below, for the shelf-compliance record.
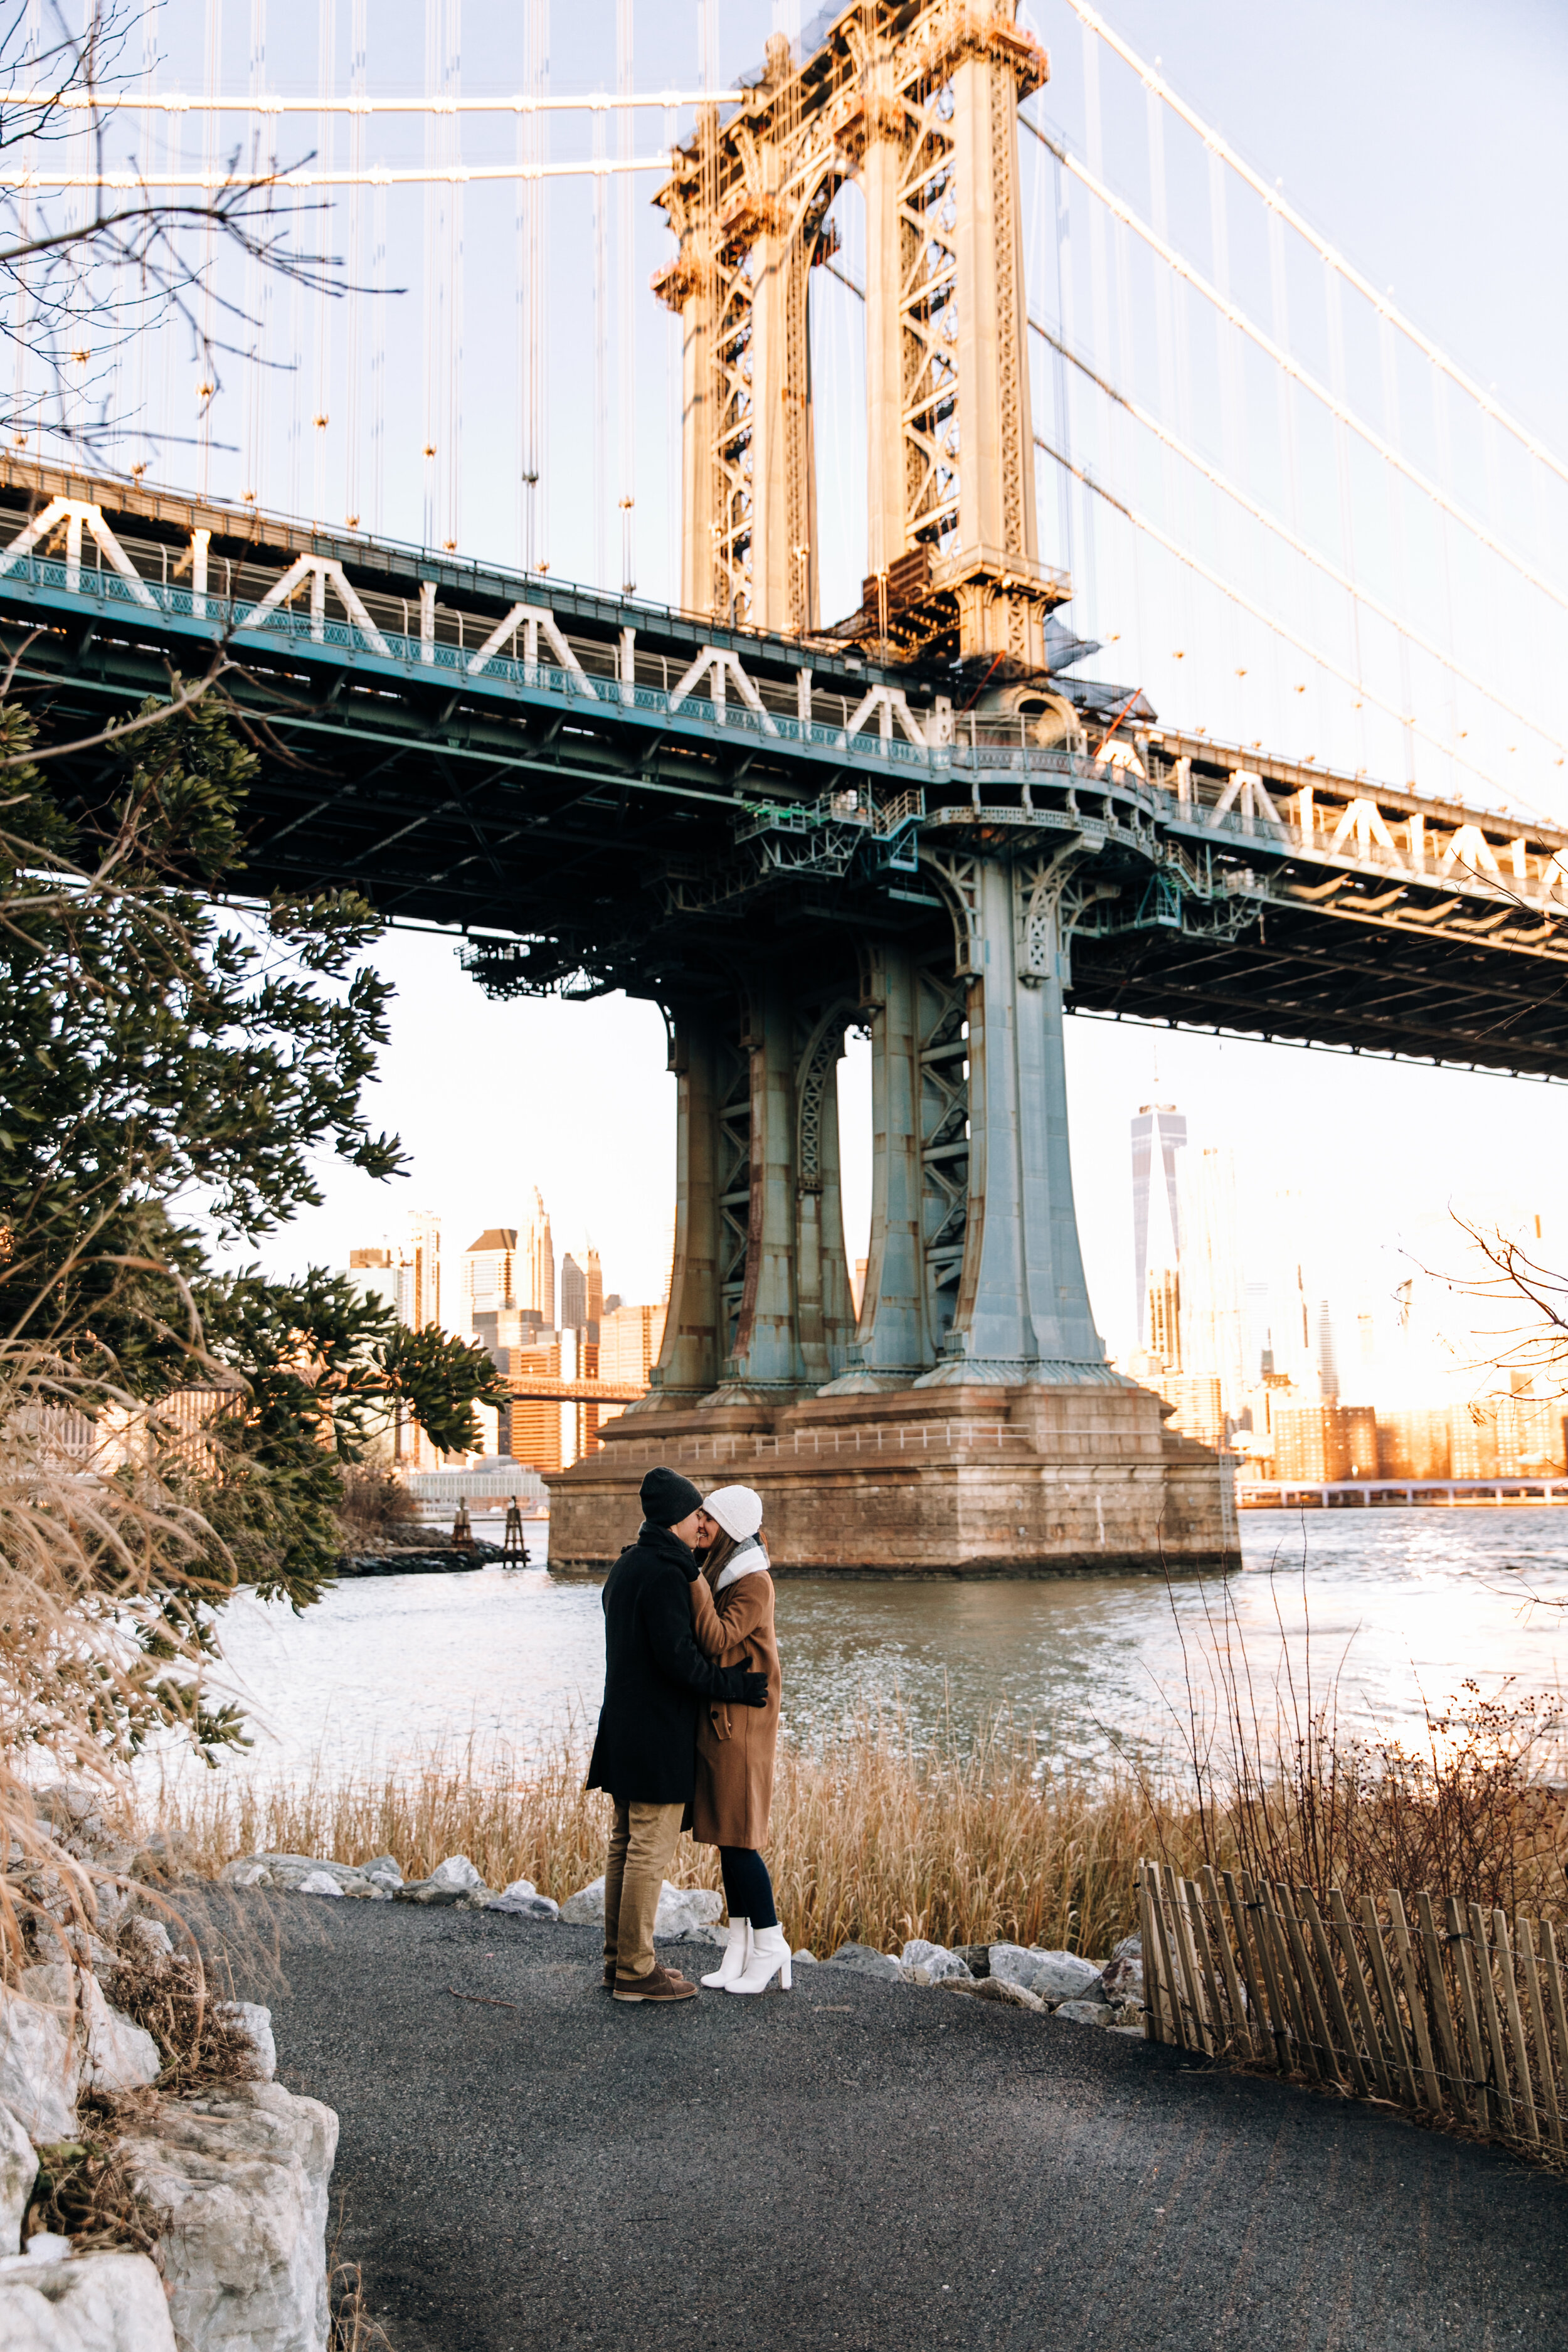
(1467, 863)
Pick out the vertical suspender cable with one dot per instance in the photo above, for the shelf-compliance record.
(1393, 491)
(625, 59)
(1336, 328)
(674, 375)
(354, 410)
(378, 368)
(1285, 393)
(140, 346)
(1083, 589)
(258, 281)
(1446, 476)
(539, 281)
(24, 420)
(522, 457)
(206, 395)
(532, 263)
(322, 333)
(1097, 517)
(601, 355)
(431, 288)
(452, 423)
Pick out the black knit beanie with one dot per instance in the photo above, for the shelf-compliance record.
(666, 1497)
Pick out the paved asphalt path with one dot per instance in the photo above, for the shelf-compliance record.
(854, 2166)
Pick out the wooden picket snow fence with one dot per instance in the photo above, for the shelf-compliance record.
(1447, 2011)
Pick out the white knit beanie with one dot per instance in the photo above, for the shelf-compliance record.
(738, 1509)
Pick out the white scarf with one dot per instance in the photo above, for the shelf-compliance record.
(747, 1561)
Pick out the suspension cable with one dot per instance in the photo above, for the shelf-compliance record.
(1292, 367)
(1152, 530)
(1281, 530)
(1154, 80)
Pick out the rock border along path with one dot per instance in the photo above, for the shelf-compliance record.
(858, 2166)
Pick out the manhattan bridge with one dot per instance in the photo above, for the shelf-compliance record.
(941, 813)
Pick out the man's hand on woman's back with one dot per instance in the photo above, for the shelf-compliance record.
(745, 1688)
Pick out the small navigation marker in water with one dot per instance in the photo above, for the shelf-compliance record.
(511, 1545)
(462, 1533)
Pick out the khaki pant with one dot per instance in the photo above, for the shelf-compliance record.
(642, 1846)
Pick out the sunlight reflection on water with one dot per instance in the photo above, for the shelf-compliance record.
(1404, 1602)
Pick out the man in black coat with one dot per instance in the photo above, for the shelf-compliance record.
(656, 1680)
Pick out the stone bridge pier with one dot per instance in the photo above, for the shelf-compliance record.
(967, 1421)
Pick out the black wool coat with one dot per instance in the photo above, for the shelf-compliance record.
(656, 1678)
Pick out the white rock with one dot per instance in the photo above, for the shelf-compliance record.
(47, 2246)
(242, 2175)
(383, 1871)
(147, 1939)
(255, 2023)
(1086, 2012)
(319, 1882)
(1121, 1978)
(687, 1910)
(522, 1899)
(810, 1957)
(682, 1910)
(245, 1870)
(37, 2069)
(19, 2170)
(996, 1989)
(456, 1875)
(1055, 1976)
(935, 1959)
(113, 2054)
(865, 1962)
(103, 2302)
(587, 1907)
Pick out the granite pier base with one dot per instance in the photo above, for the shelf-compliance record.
(963, 1481)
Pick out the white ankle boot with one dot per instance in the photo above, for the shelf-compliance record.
(737, 1952)
(769, 1958)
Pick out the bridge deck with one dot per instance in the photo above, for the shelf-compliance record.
(619, 795)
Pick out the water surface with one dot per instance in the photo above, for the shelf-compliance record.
(1401, 1604)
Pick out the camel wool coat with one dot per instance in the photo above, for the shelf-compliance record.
(735, 1744)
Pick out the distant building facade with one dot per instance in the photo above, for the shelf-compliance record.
(489, 1273)
(1159, 1135)
(630, 1339)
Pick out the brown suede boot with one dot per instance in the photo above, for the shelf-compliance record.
(659, 1984)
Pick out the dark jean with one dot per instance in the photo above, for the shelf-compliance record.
(748, 1889)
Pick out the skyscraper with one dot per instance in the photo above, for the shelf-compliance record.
(573, 1295)
(538, 1263)
(419, 1271)
(595, 1279)
(1213, 1313)
(489, 1272)
(1159, 1134)
(418, 1274)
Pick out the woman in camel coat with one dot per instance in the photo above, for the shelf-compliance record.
(732, 1618)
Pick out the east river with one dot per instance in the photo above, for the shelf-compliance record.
(1401, 1605)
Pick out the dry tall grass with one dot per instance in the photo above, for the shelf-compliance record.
(102, 1572)
(877, 1836)
(873, 1839)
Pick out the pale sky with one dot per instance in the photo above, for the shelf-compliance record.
(1427, 141)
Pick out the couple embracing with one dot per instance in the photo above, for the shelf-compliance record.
(687, 1731)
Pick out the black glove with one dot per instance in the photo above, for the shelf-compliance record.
(743, 1688)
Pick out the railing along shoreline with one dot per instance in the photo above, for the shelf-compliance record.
(1454, 2012)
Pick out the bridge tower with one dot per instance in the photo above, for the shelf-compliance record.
(919, 105)
(967, 1418)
